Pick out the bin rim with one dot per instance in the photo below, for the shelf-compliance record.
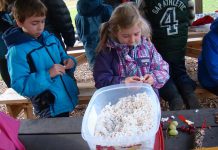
(114, 87)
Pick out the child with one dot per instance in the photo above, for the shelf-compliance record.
(207, 61)
(90, 15)
(115, 3)
(58, 21)
(6, 22)
(37, 63)
(169, 21)
(125, 53)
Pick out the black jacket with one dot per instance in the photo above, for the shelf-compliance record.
(59, 22)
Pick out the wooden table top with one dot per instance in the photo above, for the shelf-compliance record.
(65, 133)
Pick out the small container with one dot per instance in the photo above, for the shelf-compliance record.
(111, 94)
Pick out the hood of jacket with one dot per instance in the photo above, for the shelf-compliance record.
(14, 36)
(214, 26)
(89, 7)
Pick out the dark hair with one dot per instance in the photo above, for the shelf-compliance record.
(26, 8)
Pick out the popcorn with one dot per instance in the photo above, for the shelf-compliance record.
(131, 116)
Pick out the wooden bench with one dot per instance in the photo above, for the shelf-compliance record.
(203, 93)
(194, 43)
(15, 103)
(194, 47)
(65, 133)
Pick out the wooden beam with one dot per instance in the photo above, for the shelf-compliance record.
(198, 6)
(194, 47)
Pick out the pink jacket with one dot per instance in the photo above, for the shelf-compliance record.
(9, 133)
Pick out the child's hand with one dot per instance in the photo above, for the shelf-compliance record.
(133, 79)
(148, 79)
(56, 69)
(68, 63)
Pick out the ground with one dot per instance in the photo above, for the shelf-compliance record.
(83, 74)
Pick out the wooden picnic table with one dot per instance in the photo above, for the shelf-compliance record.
(65, 133)
(15, 103)
(194, 43)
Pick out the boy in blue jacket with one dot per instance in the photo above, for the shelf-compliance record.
(207, 61)
(38, 65)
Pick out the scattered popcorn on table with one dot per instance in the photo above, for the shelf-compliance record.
(189, 122)
(132, 115)
(172, 117)
(164, 119)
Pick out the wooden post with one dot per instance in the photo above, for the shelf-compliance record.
(198, 6)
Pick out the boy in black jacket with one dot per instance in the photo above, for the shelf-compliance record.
(169, 21)
(58, 21)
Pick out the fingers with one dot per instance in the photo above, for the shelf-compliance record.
(57, 69)
(148, 79)
(136, 78)
(133, 79)
(68, 63)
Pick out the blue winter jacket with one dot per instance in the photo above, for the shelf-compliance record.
(44, 54)
(208, 60)
(90, 15)
(88, 20)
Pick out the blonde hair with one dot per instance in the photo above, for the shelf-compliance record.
(124, 16)
(4, 4)
(27, 8)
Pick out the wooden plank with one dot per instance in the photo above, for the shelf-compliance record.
(195, 42)
(76, 53)
(77, 50)
(12, 97)
(79, 47)
(65, 133)
(192, 52)
(194, 34)
(14, 109)
(54, 142)
(203, 93)
(28, 111)
(51, 125)
(194, 47)
(15, 103)
(198, 6)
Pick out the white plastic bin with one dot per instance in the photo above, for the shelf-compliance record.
(111, 94)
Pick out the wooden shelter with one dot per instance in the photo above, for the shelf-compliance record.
(198, 6)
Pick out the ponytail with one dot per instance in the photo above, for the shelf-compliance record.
(104, 32)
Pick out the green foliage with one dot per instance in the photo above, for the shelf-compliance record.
(71, 4)
(210, 5)
(73, 13)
